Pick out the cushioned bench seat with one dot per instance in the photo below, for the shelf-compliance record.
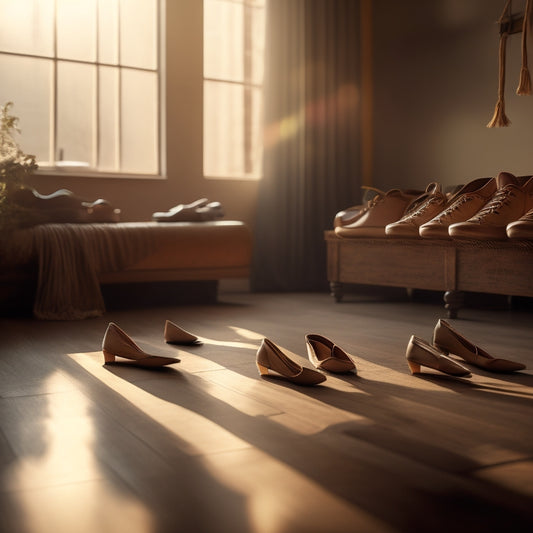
(69, 262)
(190, 251)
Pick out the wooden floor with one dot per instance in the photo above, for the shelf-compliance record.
(207, 445)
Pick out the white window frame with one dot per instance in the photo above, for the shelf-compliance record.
(55, 167)
(248, 85)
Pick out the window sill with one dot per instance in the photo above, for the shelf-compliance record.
(242, 177)
(75, 172)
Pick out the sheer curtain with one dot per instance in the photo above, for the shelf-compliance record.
(311, 152)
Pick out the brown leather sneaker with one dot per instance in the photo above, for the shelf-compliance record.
(510, 201)
(380, 211)
(464, 204)
(521, 228)
(348, 215)
(352, 214)
(420, 211)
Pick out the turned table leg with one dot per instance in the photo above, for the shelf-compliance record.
(453, 302)
(336, 290)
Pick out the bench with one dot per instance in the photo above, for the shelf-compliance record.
(66, 265)
(455, 267)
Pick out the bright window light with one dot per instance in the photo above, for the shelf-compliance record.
(85, 80)
(234, 34)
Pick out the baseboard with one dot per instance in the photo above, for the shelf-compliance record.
(163, 293)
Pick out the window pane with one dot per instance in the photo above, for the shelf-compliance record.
(223, 40)
(138, 29)
(256, 133)
(108, 132)
(257, 44)
(20, 76)
(223, 129)
(108, 31)
(71, 107)
(27, 26)
(75, 112)
(139, 122)
(76, 24)
(233, 74)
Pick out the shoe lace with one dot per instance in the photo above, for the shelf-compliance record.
(433, 189)
(500, 199)
(373, 202)
(454, 207)
(421, 209)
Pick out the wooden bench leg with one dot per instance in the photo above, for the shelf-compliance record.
(336, 290)
(453, 302)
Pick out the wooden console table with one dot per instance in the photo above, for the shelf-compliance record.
(495, 267)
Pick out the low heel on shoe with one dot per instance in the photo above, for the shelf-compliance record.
(108, 357)
(263, 370)
(413, 367)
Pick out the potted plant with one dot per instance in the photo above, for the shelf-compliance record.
(15, 167)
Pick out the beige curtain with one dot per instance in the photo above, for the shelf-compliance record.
(311, 158)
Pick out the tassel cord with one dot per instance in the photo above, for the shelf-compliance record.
(524, 85)
(499, 118)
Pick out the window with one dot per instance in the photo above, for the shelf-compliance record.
(84, 77)
(233, 76)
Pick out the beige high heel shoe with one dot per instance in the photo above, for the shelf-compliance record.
(419, 353)
(450, 341)
(175, 335)
(117, 343)
(270, 357)
(326, 355)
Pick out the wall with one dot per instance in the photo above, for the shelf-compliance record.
(435, 88)
(139, 198)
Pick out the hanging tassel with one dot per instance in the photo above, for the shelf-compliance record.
(499, 119)
(524, 86)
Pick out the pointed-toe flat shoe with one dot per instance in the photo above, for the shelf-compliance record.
(419, 353)
(117, 344)
(450, 341)
(271, 358)
(173, 334)
(326, 355)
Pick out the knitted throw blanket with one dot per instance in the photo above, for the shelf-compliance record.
(69, 258)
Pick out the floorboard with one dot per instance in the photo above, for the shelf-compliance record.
(208, 445)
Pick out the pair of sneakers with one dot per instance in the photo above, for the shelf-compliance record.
(396, 213)
(370, 218)
(483, 209)
(480, 210)
(508, 213)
